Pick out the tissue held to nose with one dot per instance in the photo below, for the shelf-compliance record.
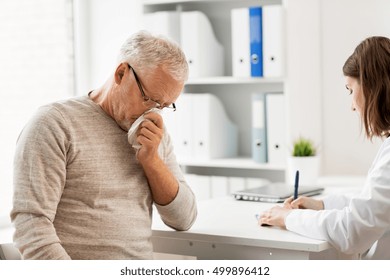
(132, 134)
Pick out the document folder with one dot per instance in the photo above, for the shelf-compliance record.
(276, 126)
(205, 55)
(256, 41)
(273, 42)
(259, 129)
(241, 54)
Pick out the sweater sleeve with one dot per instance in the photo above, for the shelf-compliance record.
(181, 213)
(356, 227)
(39, 179)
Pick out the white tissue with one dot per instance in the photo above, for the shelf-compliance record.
(132, 134)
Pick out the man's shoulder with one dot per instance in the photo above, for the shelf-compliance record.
(60, 111)
(78, 102)
(69, 106)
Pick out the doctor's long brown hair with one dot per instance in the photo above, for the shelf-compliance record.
(370, 65)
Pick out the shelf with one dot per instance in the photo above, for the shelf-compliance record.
(233, 80)
(237, 163)
(156, 2)
(243, 2)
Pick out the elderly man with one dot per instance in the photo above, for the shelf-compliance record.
(80, 190)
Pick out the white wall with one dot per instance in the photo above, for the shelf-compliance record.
(321, 34)
(303, 64)
(101, 27)
(344, 25)
(36, 67)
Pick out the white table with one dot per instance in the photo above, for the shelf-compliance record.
(227, 229)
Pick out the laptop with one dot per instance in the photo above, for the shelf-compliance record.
(275, 192)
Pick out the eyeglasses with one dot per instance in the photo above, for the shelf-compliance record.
(149, 102)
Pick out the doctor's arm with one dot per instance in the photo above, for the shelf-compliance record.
(355, 228)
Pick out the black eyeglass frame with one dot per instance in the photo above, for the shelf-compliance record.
(146, 98)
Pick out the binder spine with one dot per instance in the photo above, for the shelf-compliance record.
(275, 123)
(240, 43)
(273, 33)
(256, 41)
(259, 131)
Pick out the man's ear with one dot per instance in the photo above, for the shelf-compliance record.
(120, 72)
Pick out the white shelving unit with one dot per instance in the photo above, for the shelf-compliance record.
(229, 80)
(235, 93)
(237, 163)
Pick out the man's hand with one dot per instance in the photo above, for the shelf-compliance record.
(162, 183)
(149, 136)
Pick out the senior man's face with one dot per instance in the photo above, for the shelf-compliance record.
(157, 87)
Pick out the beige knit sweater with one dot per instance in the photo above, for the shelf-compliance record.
(79, 191)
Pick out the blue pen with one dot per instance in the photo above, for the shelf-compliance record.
(296, 185)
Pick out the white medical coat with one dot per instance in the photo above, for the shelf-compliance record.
(358, 224)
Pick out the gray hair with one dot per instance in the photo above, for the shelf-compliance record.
(146, 52)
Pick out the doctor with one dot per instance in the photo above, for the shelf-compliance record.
(360, 224)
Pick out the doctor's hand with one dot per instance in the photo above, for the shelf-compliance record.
(275, 216)
(304, 202)
(149, 135)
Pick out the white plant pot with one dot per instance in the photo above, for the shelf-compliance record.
(308, 170)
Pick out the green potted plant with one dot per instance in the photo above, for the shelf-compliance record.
(303, 148)
(305, 159)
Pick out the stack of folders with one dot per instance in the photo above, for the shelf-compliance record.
(268, 128)
(257, 41)
(194, 33)
(200, 128)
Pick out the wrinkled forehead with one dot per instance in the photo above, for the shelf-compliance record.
(161, 84)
